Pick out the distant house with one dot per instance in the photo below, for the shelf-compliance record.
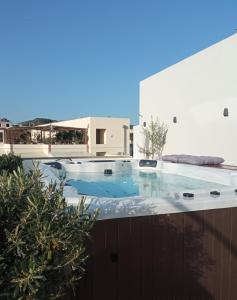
(106, 135)
(4, 123)
(97, 136)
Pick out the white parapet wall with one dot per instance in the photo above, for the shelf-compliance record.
(4, 148)
(42, 150)
(139, 141)
(69, 150)
(25, 150)
(196, 91)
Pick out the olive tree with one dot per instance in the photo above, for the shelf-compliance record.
(42, 240)
(10, 162)
(155, 139)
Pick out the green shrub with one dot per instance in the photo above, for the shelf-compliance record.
(155, 139)
(10, 162)
(42, 240)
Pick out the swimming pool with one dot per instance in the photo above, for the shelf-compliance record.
(137, 183)
(135, 189)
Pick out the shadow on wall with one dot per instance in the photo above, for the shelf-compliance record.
(181, 260)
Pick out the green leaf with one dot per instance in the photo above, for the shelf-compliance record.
(42, 248)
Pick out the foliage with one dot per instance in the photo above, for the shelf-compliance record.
(22, 136)
(42, 240)
(25, 137)
(155, 136)
(69, 136)
(10, 162)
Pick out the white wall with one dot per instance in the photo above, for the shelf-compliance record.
(196, 91)
(4, 148)
(41, 150)
(114, 141)
(139, 141)
(69, 150)
(25, 150)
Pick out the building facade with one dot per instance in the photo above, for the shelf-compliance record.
(197, 98)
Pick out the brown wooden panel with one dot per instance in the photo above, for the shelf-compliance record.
(98, 256)
(225, 255)
(196, 259)
(125, 267)
(183, 256)
(168, 257)
(147, 261)
(219, 247)
(110, 267)
(191, 240)
(163, 253)
(207, 278)
(129, 264)
(157, 257)
(215, 230)
(101, 283)
(176, 260)
(233, 257)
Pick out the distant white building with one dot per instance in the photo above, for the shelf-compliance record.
(106, 135)
(101, 136)
(4, 123)
(197, 98)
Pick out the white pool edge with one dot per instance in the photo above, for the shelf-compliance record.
(141, 206)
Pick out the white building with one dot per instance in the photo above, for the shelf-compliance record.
(196, 93)
(106, 135)
(4, 123)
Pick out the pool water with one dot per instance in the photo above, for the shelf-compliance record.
(136, 183)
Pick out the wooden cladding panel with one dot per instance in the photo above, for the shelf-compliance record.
(183, 256)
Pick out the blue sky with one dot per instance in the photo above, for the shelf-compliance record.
(65, 59)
